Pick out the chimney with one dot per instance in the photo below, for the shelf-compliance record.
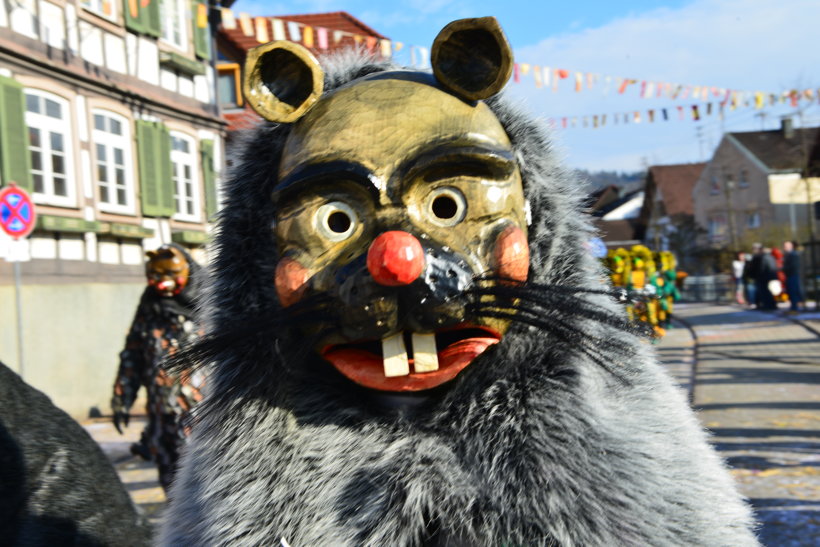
(787, 127)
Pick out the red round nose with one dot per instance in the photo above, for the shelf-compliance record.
(395, 258)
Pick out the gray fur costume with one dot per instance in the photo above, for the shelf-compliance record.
(56, 485)
(571, 436)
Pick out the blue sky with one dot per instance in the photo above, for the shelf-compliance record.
(751, 45)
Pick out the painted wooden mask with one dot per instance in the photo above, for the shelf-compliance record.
(167, 270)
(397, 193)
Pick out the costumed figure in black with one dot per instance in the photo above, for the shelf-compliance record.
(163, 324)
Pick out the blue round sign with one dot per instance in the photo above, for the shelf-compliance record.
(17, 213)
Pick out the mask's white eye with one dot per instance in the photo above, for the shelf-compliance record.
(336, 221)
(447, 206)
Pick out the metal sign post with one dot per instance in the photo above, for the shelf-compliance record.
(17, 217)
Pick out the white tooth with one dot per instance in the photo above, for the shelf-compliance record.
(425, 358)
(395, 356)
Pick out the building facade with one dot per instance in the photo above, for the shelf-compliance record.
(759, 184)
(321, 33)
(109, 119)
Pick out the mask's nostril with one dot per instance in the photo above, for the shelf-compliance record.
(395, 258)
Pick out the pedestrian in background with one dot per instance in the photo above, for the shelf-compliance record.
(768, 273)
(752, 273)
(792, 271)
(738, 267)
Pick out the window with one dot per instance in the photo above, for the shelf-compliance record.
(173, 22)
(717, 228)
(49, 130)
(715, 186)
(113, 166)
(52, 25)
(100, 7)
(753, 220)
(23, 17)
(230, 94)
(184, 163)
(744, 179)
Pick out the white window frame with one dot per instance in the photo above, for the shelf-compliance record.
(63, 126)
(717, 227)
(111, 141)
(174, 19)
(97, 8)
(52, 24)
(23, 18)
(186, 190)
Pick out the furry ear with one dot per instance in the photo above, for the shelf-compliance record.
(151, 254)
(472, 58)
(283, 80)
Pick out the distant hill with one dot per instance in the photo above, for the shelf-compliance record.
(601, 179)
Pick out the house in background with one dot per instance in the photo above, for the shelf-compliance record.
(321, 33)
(618, 214)
(108, 117)
(758, 180)
(668, 200)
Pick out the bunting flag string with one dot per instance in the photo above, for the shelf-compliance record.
(544, 77)
(693, 112)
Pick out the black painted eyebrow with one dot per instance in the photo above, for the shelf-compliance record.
(325, 172)
(448, 160)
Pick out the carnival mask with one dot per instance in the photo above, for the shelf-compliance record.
(396, 193)
(167, 270)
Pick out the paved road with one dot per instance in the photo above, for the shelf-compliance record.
(757, 389)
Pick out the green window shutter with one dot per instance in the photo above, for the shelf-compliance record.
(15, 159)
(149, 185)
(133, 15)
(165, 170)
(151, 18)
(153, 143)
(202, 35)
(206, 148)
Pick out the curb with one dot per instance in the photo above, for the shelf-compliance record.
(695, 349)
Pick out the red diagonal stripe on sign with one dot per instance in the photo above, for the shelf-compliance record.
(15, 211)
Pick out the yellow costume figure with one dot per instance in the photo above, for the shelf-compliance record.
(643, 266)
(658, 280)
(618, 262)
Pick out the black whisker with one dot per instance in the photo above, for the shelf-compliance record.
(559, 322)
(580, 341)
(562, 301)
(315, 310)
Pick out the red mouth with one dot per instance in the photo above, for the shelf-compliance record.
(457, 347)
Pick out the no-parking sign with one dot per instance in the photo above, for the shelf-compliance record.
(17, 214)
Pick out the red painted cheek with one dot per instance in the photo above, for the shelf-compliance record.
(291, 281)
(512, 254)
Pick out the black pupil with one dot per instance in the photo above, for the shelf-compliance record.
(338, 222)
(445, 207)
